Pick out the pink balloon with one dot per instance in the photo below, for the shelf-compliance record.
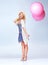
(37, 18)
(37, 11)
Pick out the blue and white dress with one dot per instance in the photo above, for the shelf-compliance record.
(22, 36)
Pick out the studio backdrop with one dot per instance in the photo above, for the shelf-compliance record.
(38, 30)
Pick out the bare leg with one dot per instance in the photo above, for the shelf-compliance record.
(23, 50)
(26, 52)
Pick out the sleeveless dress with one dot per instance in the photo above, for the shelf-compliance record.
(25, 39)
(22, 36)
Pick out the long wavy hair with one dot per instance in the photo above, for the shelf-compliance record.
(23, 18)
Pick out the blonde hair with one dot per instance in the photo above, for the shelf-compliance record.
(23, 18)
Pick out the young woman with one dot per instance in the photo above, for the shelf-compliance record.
(23, 35)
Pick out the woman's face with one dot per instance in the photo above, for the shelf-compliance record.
(21, 15)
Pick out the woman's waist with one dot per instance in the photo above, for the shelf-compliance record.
(20, 32)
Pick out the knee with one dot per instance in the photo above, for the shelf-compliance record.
(22, 44)
(26, 45)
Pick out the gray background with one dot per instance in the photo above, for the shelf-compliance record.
(38, 42)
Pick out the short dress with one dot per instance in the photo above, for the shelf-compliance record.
(22, 36)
